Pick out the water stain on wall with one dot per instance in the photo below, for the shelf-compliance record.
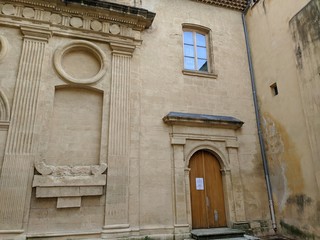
(284, 164)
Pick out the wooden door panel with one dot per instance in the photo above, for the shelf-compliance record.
(214, 190)
(207, 205)
(198, 208)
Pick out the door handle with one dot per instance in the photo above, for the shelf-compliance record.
(216, 216)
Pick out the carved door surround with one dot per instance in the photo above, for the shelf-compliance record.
(217, 135)
(42, 21)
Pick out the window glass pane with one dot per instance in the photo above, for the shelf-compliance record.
(189, 63)
(202, 52)
(201, 40)
(188, 50)
(202, 65)
(187, 37)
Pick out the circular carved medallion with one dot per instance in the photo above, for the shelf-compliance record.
(8, 9)
(96, 25)
(114, 29)
(55, 18)
(80, 62)
(76, 22)
(28, 12)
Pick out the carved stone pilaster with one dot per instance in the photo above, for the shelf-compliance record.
(181, 225)
(117, 198)
(19, 151)
(232, 147)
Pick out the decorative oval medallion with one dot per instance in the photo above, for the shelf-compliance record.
(3, 47)
(8, 9)
(55, 18)
(28, 13)
(80, 62)
(76, 22)
(114, 29)
(96, 25)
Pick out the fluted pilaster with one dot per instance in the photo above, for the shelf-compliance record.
(117, 198)
(19, 154)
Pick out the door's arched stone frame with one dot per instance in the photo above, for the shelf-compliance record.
(216, 134)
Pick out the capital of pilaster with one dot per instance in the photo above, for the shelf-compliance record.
(36, 33)
(122, 49)
(232, 144)
(178, 141)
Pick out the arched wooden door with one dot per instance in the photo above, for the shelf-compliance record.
(207, 201)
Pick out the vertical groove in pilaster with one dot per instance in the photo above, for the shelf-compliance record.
(117, 199)
(26, 94)
(12, 207)
(119, 110)
(18, 152)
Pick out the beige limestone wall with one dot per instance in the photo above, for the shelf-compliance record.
(289, 142)
(140, 195)
(69, 124)
(165, 88)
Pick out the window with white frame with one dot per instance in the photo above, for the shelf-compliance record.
(195, 48)
(197, 51)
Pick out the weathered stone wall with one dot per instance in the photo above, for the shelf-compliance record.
(284, 38)
(167, 89)
(55, 184)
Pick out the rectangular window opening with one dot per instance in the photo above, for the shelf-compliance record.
(274, 89)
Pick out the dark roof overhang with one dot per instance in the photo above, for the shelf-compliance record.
(239, 5)
(202, 120)
(144, 16)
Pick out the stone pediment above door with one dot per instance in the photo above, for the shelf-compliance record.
(85, 19)
(202, 120)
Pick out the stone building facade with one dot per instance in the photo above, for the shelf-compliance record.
(290, 117)
(112, 113)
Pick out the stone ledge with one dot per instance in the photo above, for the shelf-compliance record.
(202, 120)
(69, 181)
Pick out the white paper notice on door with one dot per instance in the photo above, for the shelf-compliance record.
(199, 184)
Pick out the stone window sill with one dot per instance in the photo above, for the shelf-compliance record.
(200, 74)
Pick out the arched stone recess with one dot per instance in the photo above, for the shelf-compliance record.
(213, 149)
(74, 164)
(191, 133)
(4, 108)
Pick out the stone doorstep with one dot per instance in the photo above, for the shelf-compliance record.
(217, 233)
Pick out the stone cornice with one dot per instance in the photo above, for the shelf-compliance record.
(100, 18)
(202, 120)
(238, 5)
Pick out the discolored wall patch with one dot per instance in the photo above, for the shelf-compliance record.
(284, 164)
